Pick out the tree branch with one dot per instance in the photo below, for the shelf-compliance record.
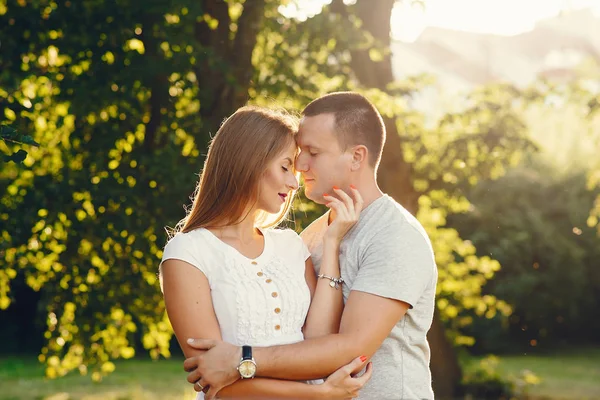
(249, 26)
(215, 50)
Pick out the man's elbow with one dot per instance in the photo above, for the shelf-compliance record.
(322, 330)
(357, 346)
(348, 348)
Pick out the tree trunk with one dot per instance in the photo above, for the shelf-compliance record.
(395, 176)
(224, 78)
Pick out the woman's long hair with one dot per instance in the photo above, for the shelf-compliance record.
(238, 155)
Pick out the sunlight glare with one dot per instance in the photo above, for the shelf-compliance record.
(501, 17)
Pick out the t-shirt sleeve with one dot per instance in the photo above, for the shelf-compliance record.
(296, 245)
(180, 247)
(398, 265)
(304, 250)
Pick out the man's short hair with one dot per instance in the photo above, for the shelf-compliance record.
(357, 121)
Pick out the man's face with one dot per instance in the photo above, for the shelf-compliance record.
(321, 161)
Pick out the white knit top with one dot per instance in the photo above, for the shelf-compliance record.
(258, 302)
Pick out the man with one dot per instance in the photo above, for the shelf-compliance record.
(386, 261)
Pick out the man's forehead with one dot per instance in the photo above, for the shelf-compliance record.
(315, 129)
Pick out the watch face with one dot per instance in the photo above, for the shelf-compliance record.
(247, 369)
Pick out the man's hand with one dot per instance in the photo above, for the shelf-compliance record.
(215, 368)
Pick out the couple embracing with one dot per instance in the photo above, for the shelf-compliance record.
(341, 311)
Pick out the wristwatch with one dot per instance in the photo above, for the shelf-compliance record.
(247, 367)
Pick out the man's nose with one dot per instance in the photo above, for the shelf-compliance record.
(300, 164)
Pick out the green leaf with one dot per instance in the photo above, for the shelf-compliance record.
(17, 157)
(10, 134)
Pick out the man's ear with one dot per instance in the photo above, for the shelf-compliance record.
(360, 155)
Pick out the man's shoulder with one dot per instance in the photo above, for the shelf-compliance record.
(392, 215)
(391, 222)
(318, 225)
(313, 234)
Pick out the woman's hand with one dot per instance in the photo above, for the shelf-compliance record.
(347, 212)
(341, 385)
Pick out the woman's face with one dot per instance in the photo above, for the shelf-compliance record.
(278, 182)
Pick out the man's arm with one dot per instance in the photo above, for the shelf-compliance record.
(340, 385)
(394, 271)
(362, 332)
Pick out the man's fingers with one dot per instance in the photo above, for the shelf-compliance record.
(211, 394)
(202, 344)
(194, 376)
(201, 386)
(190, 364)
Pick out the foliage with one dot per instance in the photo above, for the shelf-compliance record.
(479, 143)
(113, 100)
(9, 136)
(124, 102)
(534, 224)
(487, 382)
(571, 108)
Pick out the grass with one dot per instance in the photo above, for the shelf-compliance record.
(569, 374)
(573, 374)
(23, 378)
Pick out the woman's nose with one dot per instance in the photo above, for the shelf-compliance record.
(293, 183)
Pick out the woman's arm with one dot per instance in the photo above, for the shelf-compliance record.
(261, 388)
(339, 385)
(189, 304)
(190, 310)
(327, 303)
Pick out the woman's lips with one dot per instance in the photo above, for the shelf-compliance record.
(282, 196)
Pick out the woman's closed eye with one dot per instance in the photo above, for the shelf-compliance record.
(285, 169)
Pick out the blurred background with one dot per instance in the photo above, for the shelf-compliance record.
(493, 116)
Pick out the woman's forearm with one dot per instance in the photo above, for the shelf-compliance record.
(262, 388)
(327, 304)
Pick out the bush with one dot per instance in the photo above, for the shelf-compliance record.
(535, 225)
(486, 382)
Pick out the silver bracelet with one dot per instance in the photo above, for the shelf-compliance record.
(335, 282)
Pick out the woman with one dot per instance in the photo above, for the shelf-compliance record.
(225, 275)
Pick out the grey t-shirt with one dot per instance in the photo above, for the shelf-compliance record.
(388, 254)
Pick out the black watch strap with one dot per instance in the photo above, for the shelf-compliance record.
(246, 352)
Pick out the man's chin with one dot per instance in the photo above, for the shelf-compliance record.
(314, 197)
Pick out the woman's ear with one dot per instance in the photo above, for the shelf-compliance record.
(360, 155)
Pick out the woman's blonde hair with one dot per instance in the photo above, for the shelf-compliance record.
(238, 155)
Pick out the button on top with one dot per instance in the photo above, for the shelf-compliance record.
(254, 263)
